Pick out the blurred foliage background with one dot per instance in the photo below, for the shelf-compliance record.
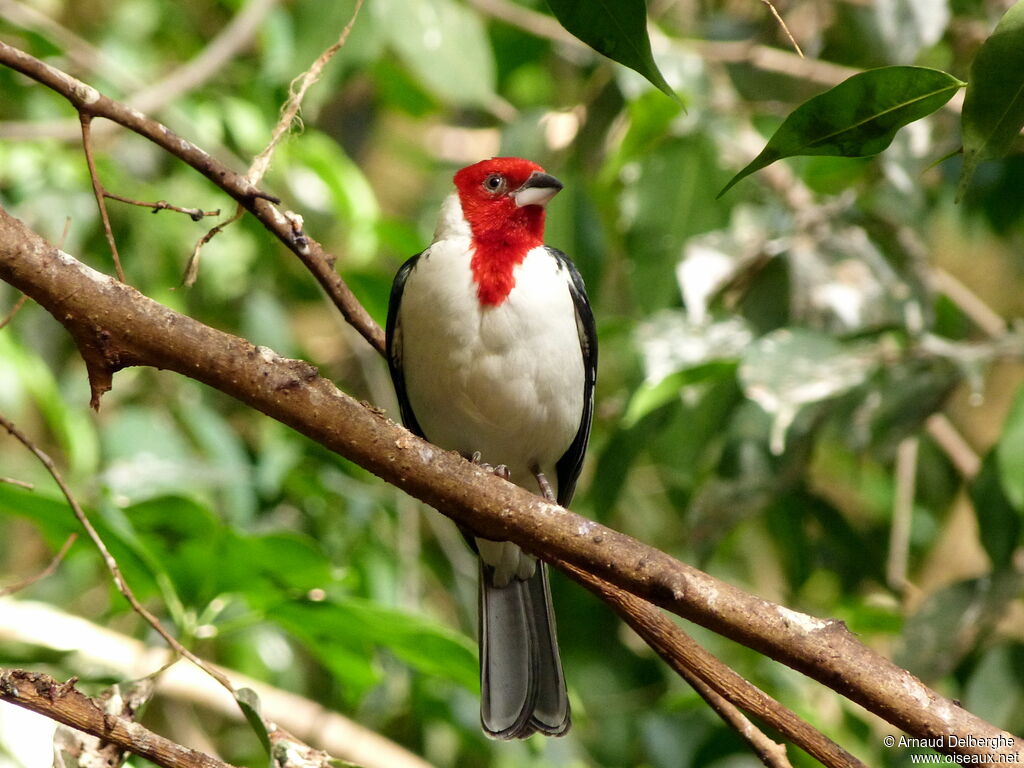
(809, 387)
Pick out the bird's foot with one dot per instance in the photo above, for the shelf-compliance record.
(545, 486)
(500, 470)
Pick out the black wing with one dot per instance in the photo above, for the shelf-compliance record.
(568, 467)
(393, 345)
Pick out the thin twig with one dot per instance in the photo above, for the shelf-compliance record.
(782, 23)
(97, 188)
(902, 513)
(261, 163)
(953, 444)
(196, 214)
(14, 310)
(19, 483)
(108, 559)
(979, 313)
(188, 279)
(296, 93)
(43, 574)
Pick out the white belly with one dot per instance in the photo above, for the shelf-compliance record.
(504, 380)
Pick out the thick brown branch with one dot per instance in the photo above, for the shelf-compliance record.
(91, 103)
(707, 675)
(115, 325)
(65, 704)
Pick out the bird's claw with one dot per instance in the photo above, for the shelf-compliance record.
(501, 470)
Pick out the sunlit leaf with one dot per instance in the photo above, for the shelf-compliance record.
(445, 45)
(617, 29)
(994, 103)
(858, 117)
(791, 368)
(653, 395)
(907, 26)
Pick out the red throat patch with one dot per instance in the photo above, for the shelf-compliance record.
(493, 267)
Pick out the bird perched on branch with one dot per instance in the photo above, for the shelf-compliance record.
(493, 353)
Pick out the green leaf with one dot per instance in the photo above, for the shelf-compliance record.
(994, 103)
(652, 395)
(616, 29)
(249, 703)
(998, 521)
(858, 117)
(350, 626)
(445, 45)
(995, 689)
(1010, 453)
(953, 621)
(788, 369)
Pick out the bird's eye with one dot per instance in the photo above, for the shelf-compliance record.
(494, 183)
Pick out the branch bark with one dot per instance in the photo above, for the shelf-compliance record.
(66, 704)
(121, 657)
(91, 103)
(116, 326)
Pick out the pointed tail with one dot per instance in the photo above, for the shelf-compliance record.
(521, 679)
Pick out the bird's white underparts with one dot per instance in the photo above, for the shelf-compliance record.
(493, 352)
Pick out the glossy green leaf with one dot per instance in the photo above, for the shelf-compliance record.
(617, 29)
(994, 103)
(858, 117)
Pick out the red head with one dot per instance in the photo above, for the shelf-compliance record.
(503, 202)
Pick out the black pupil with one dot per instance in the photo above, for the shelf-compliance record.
(493, 182)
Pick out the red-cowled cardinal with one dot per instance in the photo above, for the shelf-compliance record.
(493, 353)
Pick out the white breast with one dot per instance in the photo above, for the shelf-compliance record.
(506, 380)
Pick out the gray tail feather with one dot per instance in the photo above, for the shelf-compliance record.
(521, 680)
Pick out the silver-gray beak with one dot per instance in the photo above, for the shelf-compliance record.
(537, 190)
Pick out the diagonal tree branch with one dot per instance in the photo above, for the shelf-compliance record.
(66, 704)
(91, 103)
(116, 326)
(122, 657)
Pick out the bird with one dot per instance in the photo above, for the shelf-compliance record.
(492, 349)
